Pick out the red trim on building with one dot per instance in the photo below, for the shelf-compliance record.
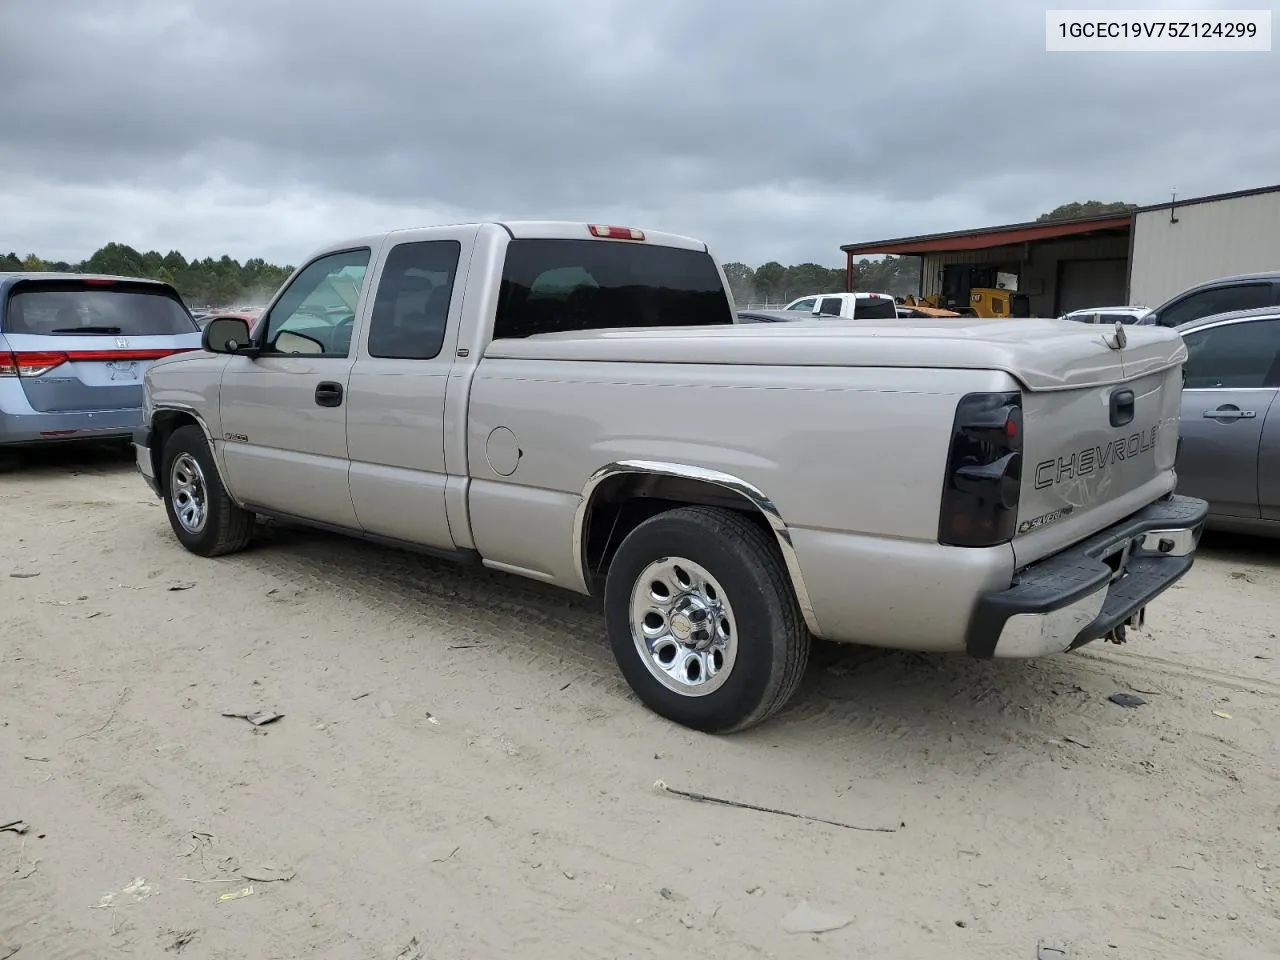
(990, 237)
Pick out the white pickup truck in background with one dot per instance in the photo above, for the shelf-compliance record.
(846, 306)
(575, 404)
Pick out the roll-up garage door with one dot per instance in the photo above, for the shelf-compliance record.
(1091, 283)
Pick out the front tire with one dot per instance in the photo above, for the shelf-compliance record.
(204, 518)
(702, 619)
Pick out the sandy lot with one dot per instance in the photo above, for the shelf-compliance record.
(458, 762)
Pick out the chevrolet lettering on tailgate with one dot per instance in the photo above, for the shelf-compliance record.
(1095, 459)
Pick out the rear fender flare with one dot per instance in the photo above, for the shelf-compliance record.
(748, 491)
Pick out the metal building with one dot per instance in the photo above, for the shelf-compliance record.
(1142, 257)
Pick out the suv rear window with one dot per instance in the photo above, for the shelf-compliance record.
(74, 308)
(553, 286)
(874, 308)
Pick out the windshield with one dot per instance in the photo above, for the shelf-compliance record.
(75, 308)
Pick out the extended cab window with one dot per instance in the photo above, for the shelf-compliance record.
(317, 313)
(1233, 356)
(830, 307)
(1239, 296)
(411, 306)
(553, 286)
(874, 308)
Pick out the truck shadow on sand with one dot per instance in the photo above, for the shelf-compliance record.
(848, 693)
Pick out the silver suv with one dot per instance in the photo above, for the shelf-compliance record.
(73, 350)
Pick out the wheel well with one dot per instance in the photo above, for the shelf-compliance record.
(163, 425)
(622, 503)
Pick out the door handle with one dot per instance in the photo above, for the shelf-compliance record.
(1229, 413)
(329, 394)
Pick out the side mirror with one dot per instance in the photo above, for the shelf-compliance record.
(226, 335)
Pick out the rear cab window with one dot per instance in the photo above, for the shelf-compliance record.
(411, 305)
(559, 286)
(831, 306)
(92, 308)
(874, 308)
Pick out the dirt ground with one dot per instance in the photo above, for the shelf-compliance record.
(458, 762)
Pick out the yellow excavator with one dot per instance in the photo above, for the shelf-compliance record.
(973, 292)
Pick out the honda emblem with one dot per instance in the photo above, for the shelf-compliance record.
(122, 343)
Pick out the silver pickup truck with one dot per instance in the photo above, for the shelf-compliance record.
(574, 403)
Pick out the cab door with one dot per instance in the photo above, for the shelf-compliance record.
(284, 412)
(396, 417)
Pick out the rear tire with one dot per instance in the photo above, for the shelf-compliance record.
(702, 619)
(204, 518)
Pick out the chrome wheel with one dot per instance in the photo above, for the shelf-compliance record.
(683, 626)
(188, 493)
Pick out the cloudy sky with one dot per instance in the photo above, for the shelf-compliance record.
(772, 130)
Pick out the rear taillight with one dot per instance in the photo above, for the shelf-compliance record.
(30, 363)
(35, 363)
(984, 472)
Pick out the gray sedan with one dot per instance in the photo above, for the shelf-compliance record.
(1230, 450)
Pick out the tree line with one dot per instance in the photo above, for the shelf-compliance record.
(1089, 208)
(227, 282)
(772, 283)
(223, 282)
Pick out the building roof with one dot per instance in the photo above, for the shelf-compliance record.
(986, 237)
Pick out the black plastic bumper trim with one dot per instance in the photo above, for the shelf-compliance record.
(1064, 578)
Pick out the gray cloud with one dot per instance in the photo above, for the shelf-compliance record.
(773, 132)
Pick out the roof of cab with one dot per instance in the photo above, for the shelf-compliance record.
(516, 230)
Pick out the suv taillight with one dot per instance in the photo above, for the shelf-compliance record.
(30, 363)
(984, 472)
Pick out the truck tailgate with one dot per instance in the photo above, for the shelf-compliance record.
(1100, 449)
